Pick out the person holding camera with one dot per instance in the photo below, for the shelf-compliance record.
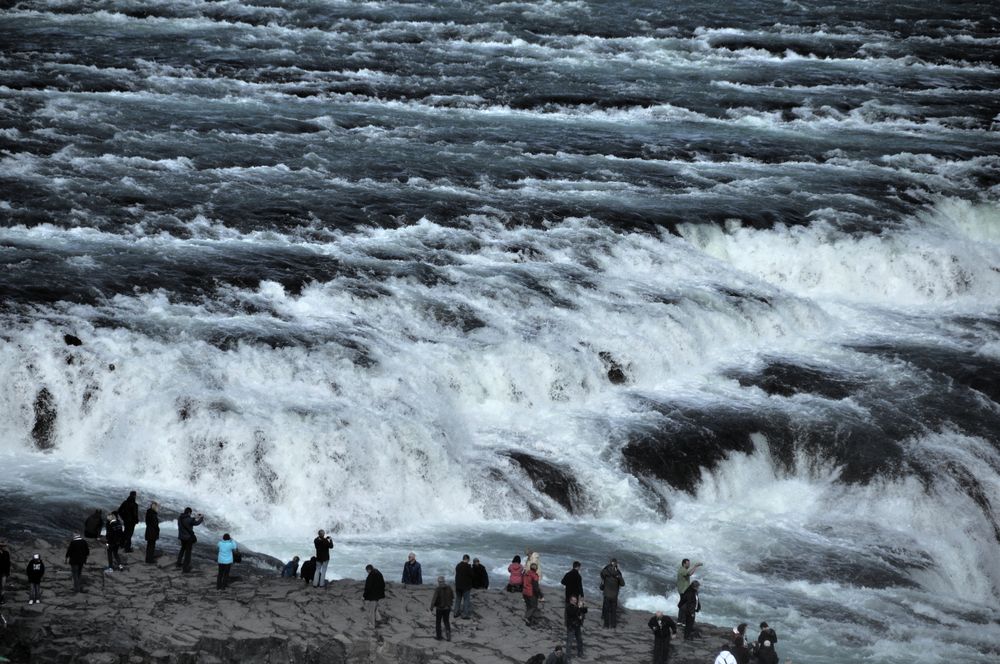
(611, 584)
(323, 544)
(185, 533)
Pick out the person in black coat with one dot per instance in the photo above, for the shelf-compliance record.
(76, 556)
(152, 530)
(689, 605)
(4, 567)
(663, 628)
(480, 576)
(308, 570)
(128, 512)
(766, 653)
(185, 533)
(114, 534)
(573, 582)
(35, 571)
(92, 525)
(374, 593)
(575, 614)
(739, 646)
(463, 588)
(767, 634)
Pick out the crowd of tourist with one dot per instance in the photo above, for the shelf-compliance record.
(448, 600)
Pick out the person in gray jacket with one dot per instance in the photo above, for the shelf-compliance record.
(611, 583)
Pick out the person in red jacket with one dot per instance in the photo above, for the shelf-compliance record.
(532, 593)
(516, 571)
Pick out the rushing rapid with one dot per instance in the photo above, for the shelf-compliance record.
(629, 278)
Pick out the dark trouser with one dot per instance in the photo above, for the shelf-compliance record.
(184, 555)
(150, 551)
(127, 538)
(35, 592)
(609, 612)
(661, 651)
(530, 609)
(574, 633)
(442, 616)
(688, 624)
(222, 580)
(77, 571)
(463, 603)
(113, 559)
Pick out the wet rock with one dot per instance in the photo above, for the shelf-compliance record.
(552, 480)
(72, 340)
(615, 371)
(43, 432)
(787, 379)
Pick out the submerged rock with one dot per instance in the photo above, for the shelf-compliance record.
(43, 432)
(552, 480)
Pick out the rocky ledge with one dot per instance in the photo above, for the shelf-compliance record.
(154, 613)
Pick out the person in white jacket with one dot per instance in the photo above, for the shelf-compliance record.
(725, 657)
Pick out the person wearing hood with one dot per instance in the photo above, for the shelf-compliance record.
(480, 575)
(128, 512)
(515, 580)
(92, 525)
(412, 574)
(76, 556)
(152, 530)
(35, 571)
(185, 533)
(114, 533)
(441, 604)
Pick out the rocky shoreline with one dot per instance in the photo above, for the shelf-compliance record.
(154, 613)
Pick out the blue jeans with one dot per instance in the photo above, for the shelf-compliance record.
(319, 578)
(463, 603)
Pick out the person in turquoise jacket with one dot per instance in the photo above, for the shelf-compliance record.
(227, 546)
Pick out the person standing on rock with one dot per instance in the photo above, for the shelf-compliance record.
(534, 558)
(76, 557)
(412, 574)
(480, 575)
(128, 512)
(227, 549)
(689, 605)
(531, 591)
(323, 544)
(185, 533)
(611, 584)
(4, 567)
(114, 533)
(308, 570)
(684, 573)
(738, 644)
(573, 582)
(92, 525)
(767, 633)
(374, 593)
(766, 653)
(463, 588)
(663, 628)
(575, 613)
(152, 530)
(515, 580)
(35, 571)
(441, 604)
(291, 568)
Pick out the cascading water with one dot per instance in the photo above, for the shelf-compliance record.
(461, 277)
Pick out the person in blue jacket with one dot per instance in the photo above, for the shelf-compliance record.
(291, 568)
(226, 548)
(412, 574)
